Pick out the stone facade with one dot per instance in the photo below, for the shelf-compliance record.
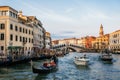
(19, 32)
(102, 41)
(114, 41)
(48, 41)
(68, 41)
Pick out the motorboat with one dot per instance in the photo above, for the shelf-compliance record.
(106, 57)
(81, 60)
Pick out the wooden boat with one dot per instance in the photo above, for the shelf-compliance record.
(81, 60)
(46, 67)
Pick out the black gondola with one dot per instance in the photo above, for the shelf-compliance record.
(46, 67)
(42, 69)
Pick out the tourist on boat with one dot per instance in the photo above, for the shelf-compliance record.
(46, 64)
(52, 63)
(49, 64)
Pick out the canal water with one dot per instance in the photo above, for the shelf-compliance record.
(67, 70)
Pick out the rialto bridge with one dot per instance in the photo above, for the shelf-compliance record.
(69, 47)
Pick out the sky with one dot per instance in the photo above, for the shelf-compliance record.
(71, 18)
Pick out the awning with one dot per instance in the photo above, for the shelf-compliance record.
(14, 47)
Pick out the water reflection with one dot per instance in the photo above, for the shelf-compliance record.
(41, 77)
(67, 70)
(83, 67)
(3, 70)
(107, 62)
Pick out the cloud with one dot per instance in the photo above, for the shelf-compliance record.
(48, 14)
(67, 32)
(56, 17)
(58, 36)
(79, 20)
(69, 10)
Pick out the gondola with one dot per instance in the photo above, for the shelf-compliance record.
(42, 69)
(46, 67)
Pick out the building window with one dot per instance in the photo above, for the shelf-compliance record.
(3, 13)
(2, 26)
(23, 30)
(2, 36)
(14, 15)
(11, 26)
(20, 39)
(29, 31)
(26, 39)
(16, 38)
(20, 29)
(29, 40)
(16, 28)
(23, 39)
(10, 13)
(11, 37)
(26, 31)
(2, 47)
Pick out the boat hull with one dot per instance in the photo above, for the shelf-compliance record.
(106, 55)
(43, 69)
(106, 59)
(81, 62)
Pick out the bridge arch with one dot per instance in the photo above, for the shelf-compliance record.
(74, 50)
(72, 47)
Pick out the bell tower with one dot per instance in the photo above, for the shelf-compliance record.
(101, 32)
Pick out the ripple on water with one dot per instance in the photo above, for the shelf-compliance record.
(67, 70)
